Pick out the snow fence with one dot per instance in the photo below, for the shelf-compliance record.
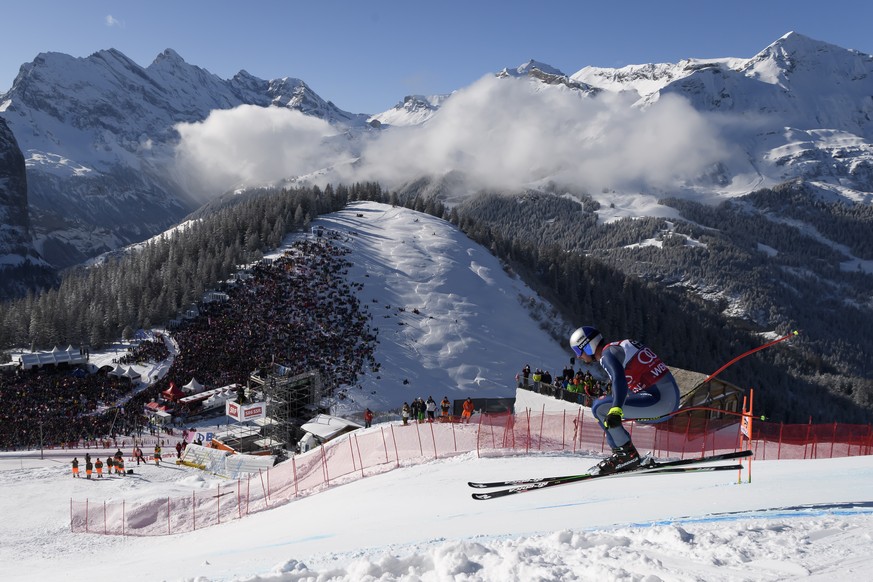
(384, 447)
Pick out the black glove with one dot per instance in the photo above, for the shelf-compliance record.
(613, 417)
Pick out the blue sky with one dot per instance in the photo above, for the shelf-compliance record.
(365, 56)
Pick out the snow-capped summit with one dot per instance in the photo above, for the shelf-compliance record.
(546, 74)
(413, 110)
(527, 68)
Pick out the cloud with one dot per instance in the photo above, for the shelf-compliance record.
(252, 145)
(500, 132)
(112, 21)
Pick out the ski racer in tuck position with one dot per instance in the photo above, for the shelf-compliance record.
(642, 387)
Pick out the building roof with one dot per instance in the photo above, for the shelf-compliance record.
(325, 426)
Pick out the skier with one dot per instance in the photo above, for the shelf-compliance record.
(642, 387)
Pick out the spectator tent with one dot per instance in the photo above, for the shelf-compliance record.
(323, 428)
(132, 374)
(173, 393)
(56, 356)
(193, 387)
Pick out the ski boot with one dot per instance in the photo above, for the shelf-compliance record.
(623, 458)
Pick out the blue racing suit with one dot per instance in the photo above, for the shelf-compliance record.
(642, 386)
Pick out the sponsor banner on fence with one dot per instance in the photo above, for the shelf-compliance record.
(242, 412)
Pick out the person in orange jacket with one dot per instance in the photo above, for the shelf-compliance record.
(75, 467)
(467, 410)
(98, 465)
(368, 418)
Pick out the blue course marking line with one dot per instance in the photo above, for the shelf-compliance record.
(798, 511)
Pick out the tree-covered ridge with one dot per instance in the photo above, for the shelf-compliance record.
(152, 283)
(699, 291)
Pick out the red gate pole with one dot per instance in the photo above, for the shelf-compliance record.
(779, 448)
(529, 435)
(806, 440)
(396, 452)
(358, 446)
(384, 442)
(418, 436)
(264, 487)
(687, 434)
(577, 434)
(433, 440)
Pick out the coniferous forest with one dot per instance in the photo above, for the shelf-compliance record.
(680, 295)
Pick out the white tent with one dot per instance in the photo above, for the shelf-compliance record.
(326, 427)
(132, 374)
(56, 356)
(118, 371)
(193, 387)
(60, 355)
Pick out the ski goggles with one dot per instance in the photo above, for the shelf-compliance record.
(584, 347)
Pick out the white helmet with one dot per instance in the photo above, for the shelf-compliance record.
(585, 340)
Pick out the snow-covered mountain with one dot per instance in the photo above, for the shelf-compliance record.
(805, 107)
(99, 135)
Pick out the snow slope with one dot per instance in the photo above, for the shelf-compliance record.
(796, 519)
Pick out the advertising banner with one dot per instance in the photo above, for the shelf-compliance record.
(245, 412)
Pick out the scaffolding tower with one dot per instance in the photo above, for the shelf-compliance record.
(291, 402)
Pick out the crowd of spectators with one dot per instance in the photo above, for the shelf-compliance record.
(153, 350)
(571, 385)
(58, 405)
(296, 310)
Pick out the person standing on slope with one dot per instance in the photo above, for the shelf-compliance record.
(642, 387)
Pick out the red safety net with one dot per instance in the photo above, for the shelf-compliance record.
(385, 447)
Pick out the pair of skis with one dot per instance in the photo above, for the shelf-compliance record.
(695, 465)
